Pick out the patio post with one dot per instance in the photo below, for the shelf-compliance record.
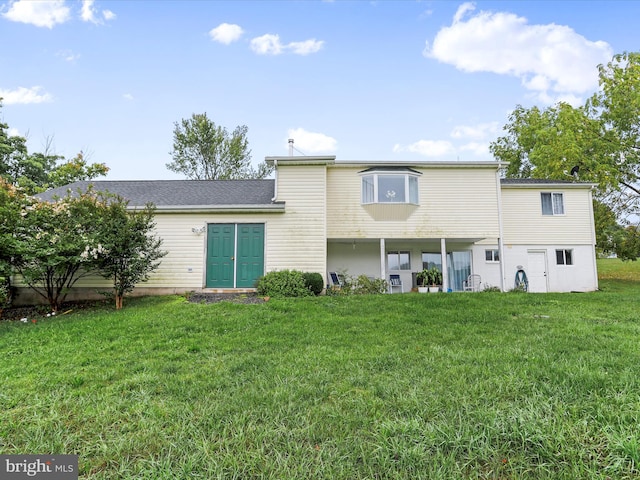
(383, 255)
(445, 273)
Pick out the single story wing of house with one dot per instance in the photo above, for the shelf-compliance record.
(371, 218)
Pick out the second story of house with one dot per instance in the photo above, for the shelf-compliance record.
(451, 200)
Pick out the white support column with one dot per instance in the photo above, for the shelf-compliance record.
(383, 260)
(445, 270)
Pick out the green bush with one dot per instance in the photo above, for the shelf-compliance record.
(5, 294)
(283, 283)
(314, 282)
(360, 285)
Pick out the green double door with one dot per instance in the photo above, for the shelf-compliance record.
(235, 254)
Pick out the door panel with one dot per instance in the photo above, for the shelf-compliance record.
(537, 274)
(220, 255)
(235, 255)
(250, 254)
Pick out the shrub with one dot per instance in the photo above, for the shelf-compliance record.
(283, 283)
(5, 294)
(361, 285)
(314, 282)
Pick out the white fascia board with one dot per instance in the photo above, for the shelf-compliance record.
(301, 160)
(274, 208)
(419, 164)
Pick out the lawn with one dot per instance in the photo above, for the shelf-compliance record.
(445, 386)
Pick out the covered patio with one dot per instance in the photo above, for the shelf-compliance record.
(382, 257)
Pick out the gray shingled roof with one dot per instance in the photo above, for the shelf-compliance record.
(179, 193)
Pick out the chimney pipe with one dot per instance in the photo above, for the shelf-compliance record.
(291, 147)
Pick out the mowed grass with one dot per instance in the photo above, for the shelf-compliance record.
(446, 386)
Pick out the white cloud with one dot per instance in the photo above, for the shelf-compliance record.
(226, 33)
(427, 148)
(306, 47)
(311, 142)
(89, 14)
(270, 44)
(476, 132)
(552, 61)
(267, 45)
(127, 96)
(24, 95)
(44, 13)
(13, 132)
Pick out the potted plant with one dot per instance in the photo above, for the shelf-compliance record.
(434, 279)
(422, 279)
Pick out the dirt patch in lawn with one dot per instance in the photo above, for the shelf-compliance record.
(225, 297)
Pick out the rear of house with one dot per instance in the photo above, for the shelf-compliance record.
(366, 218)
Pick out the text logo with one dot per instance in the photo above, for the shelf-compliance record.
(45, 467)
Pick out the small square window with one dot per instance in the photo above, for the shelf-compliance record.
(492, 255)
(552, 203)
(564, 257)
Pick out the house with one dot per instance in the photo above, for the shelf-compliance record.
(367, 217)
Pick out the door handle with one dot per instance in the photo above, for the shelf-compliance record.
(233, 258)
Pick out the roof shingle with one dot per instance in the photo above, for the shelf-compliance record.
(177, 193)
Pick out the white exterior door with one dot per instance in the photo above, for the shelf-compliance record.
(537, 274)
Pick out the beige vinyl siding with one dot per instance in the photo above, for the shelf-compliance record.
(525, 224)
(297, 240)
(454, 203)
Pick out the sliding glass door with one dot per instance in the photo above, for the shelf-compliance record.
(458, 266)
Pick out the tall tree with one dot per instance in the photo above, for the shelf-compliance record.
(36, 172)
(601, 139)
(203, 150)
(617, 106)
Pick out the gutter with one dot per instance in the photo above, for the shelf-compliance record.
(260, 208)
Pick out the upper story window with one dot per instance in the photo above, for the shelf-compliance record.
(398, 185)
(552, 203)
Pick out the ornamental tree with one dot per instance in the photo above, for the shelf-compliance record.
(130, 250)
(56, 244)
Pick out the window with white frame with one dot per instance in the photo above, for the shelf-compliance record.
(492, 255)
(398, 260)
(552, 203)
(564, 257)
(390, 187)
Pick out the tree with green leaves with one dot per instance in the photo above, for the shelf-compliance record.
(37, 172)
(129, 249)
(203, 150)
(56, 244)
(599, 141)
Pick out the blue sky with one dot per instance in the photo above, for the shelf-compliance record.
(362, 80)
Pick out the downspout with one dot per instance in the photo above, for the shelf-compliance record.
(593, 238)
(500, 231)
(275, 184)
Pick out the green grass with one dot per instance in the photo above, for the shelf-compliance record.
(447, 386)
